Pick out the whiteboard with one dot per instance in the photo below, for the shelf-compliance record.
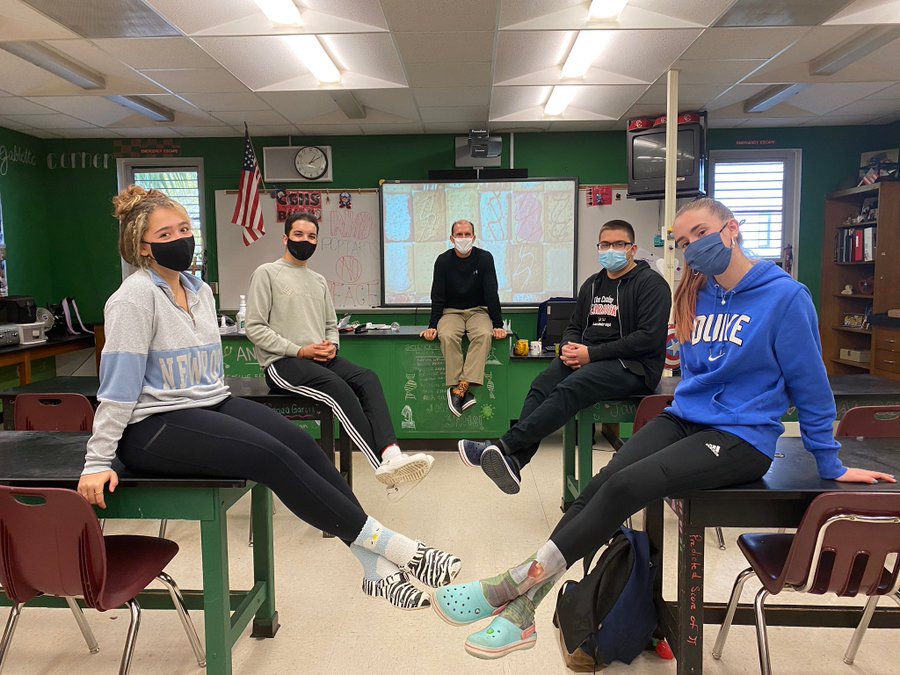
(347, 254)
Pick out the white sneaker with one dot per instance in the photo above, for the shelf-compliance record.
(404, 469)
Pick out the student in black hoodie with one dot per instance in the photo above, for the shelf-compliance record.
(614, 346)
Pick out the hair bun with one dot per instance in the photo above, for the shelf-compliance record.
(127, 199)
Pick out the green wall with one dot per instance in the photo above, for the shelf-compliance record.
(62, 238)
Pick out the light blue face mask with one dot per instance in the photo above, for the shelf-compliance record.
(613, 261)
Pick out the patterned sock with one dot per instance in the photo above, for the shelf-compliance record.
(391, 451)
(394, 546)
(544, 565)
(521, 610)
(375, 568)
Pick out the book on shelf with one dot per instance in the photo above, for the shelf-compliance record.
(855, 244)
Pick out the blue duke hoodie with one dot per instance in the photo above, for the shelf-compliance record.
(753, 351)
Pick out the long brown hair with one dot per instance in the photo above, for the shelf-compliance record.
(693, 282)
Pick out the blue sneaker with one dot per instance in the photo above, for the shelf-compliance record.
(501, 469)
(470, 452)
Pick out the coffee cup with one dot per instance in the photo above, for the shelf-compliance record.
(535, 348)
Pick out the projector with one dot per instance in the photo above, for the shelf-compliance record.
(482, 144)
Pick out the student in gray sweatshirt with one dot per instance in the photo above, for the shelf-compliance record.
(165, 408)
(292, 322)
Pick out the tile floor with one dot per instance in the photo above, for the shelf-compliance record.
(329, 626)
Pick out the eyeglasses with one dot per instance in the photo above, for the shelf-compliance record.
(615, 246)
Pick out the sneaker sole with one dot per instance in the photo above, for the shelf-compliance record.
(493, 464)
(469, 404)
(409, 473)
(463, 457)
(450, 405)
(482, 653)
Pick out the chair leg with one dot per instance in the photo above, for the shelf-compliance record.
(720, 538)
(178, 601)
(163, 524)
(14, 613)
(250, 536)
(860, 631)
(132, 636)
(83, 625)
(736, 591)
(762, 635)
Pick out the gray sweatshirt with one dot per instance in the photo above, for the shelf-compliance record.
(157, 358)
(288, 307)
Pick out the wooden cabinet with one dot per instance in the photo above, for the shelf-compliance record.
(849, 259)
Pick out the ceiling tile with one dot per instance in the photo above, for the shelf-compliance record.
(94, 109)
(397, 102)
(573, 125)
(870, 107)
(446, 47)
(877, 12)
(210, 132)
(408, 16)
(835, 120)
(455, 114)
(206, 80)
(638, 14)
(596, 102)
(450, 74)
(89, 132)
(10, 105)
(50, 121)
(15, 125)
(780, 12)
(227, 102)
(146, 132)
(18, 21)
(122, 18)
(157, 53)
(262, 117)
(888, 92)
(820, 99)
(329, 129)
(429, 97)
(385, 129)
(689, 95)
(743, 43)
(447, 128)
(298, 106)
(715, 72)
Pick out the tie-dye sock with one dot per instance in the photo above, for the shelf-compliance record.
(546, 564)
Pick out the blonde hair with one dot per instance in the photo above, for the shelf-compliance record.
(693, 282)
(133, 207)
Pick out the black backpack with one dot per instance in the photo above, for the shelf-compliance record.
(609, 615)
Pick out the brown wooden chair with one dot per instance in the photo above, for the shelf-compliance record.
(870, 421)
(650, 407)
(842, 546)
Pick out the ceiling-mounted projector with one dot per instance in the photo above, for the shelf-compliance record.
(482, 144)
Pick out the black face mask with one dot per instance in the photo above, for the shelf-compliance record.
(301, 250)
(175, 255)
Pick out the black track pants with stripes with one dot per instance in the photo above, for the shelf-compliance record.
(354, 394)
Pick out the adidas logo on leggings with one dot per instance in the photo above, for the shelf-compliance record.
(714, 449)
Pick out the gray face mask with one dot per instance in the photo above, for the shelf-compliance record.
(463, 245)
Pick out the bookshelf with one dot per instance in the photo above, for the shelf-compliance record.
(855, 249)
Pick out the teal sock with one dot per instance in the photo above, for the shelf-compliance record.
(375, 568)
(376, 538)
(546, 564)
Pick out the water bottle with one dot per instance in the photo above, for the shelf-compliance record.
(240, 319)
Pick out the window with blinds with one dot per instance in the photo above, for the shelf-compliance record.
(755, 193)
(183, 185)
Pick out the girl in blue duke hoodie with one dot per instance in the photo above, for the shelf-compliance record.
(749, 347)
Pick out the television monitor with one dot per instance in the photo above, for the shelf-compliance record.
(529, 226)
(647, 162)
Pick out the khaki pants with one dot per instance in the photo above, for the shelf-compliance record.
(455, 323)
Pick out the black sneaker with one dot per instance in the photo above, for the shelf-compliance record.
(468, 400)
(456, 397)
(501, 469)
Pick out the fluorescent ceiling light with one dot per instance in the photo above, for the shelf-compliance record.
(606, 10)
(312, 55)
(769, 98)
(587, 47)
(42, 56)
(281, 12)
(559, 100)
(860, 45)
(145, 107)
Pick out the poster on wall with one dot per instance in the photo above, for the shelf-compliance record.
(293, 201)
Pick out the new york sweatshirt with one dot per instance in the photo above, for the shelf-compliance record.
(157, 358)
(753, 351)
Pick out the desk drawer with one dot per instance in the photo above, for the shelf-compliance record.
(890, 344)
(886, 360)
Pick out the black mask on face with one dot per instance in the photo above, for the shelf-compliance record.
(174, 255)
(301, 250)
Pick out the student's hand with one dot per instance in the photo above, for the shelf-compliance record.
(91, 486)
(499, 333)
(574, 355)
(429, 334)
(332, 349)
(322, 352)
(865, 476)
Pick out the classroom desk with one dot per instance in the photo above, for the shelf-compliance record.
(849, 391)
(779, 499)
(47, 459)
(21, 356)
(294, 407)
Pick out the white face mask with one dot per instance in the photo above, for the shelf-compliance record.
(463, 245)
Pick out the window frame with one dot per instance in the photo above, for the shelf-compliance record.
(125, 167)
(793, 160)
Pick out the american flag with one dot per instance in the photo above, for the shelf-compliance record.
(247, 211)
(870, 177)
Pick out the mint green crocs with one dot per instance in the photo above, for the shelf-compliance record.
(462, 604)
(500, 638)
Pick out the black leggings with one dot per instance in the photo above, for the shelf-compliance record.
(667, 456)
(242, 439)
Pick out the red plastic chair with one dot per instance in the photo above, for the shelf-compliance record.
(870, 421)
(51, 544)
(53, 412)
(842, 546)
(650, 407)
